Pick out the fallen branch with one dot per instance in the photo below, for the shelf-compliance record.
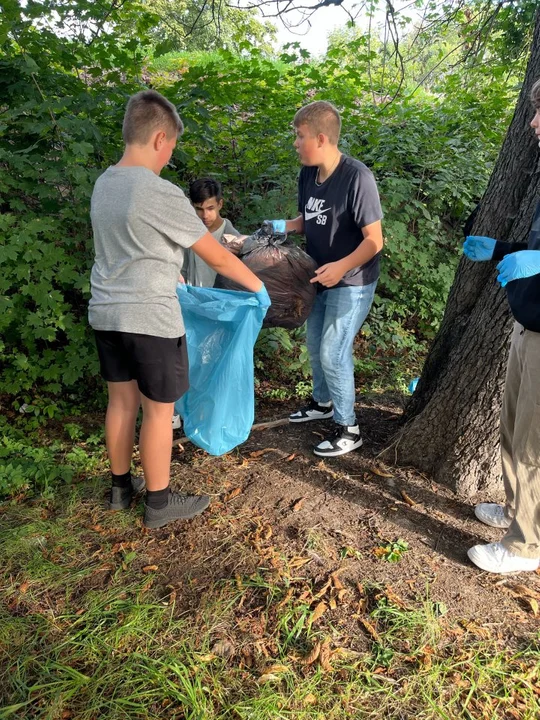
(257, 426)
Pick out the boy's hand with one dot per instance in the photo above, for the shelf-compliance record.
(329, 274)
(518, 265)
(479, 248)
(279, 226)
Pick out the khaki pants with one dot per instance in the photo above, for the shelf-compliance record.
(520, 443)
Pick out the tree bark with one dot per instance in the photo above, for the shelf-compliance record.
(451, 424)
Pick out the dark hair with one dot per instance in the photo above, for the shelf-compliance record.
(204, 189)
(146, 112)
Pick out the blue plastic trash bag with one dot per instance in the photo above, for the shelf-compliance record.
(221, 330)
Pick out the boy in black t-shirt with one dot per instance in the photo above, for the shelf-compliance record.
(340, 214)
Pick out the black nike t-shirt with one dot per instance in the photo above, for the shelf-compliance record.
(335, 213)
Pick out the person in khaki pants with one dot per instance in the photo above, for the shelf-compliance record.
(519, 269)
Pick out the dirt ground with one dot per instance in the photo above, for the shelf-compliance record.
(280, 510)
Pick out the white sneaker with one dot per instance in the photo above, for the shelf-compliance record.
(313, 411)
(496, 558)
(176, 422)
(492, 514)
(345, 439)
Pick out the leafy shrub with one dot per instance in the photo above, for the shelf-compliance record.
(63, 99)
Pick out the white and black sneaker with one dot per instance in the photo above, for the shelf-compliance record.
(313, 411)
(345, 439)
(176, 422)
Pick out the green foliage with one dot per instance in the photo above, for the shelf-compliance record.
(23, 467)
(393, 551)
(31, 462)
(286, 348)
(55, 119)
(192, 26)
(66, 70)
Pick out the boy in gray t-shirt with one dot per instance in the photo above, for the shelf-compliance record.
(206, 196)
(142, 224)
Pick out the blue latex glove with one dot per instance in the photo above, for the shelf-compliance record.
(479, 248)
(263, 297)
(413, 384)
(518, 265)
(279, 226)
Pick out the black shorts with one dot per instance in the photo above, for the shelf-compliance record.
(159, 365)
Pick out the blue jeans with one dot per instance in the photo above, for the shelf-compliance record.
(337, 315)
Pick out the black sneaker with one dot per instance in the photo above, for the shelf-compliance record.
(313, 411)
(345, 439)
(178, 507)
(120, 498)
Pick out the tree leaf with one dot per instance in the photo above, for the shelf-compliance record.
(319, 611)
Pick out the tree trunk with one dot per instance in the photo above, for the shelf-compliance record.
(451, 429)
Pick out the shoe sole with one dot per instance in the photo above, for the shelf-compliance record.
(337, 453)
(119, 506)
(311, 419)
(484, 566)
(154, 524)
(490, 524)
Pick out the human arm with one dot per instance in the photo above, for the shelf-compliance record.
(331, 273)
(296, 225)
(225, 263)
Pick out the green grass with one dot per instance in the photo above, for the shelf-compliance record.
(71, 648)
(89, 631)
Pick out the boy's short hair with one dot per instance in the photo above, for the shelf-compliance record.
(146, 112)
(535, 95)
(204, 189)
(320, 117)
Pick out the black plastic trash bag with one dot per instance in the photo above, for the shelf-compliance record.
(285, 270)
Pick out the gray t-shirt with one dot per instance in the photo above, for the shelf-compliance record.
(141, 226)
(195, 271)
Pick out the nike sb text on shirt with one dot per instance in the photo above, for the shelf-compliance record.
(315, 209)
(336, 211)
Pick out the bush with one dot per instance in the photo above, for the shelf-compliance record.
(62, 104)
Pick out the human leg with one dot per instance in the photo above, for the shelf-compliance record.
(161, 369)
(345, 312)
(155, 443)
(346, 309)
(519, 550)
(493, 514)
(120, 419)
(314, 330)
(523, 536)
(510, 403)
(320, 406)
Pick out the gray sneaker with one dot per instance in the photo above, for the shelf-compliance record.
(120, 498)
(179, 507)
